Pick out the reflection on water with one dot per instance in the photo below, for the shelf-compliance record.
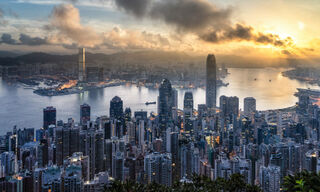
(19, 106)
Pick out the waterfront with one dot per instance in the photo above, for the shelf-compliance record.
(21, 107)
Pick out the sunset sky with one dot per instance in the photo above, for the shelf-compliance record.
(273, 28)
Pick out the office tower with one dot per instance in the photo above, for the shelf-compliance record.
(174, 145)
(165, 104)
(116, 108)
(270, 178)
(188, 111)
(84, 113)
(174, 98)
(82, 65)
(42, 153)
(67, 142)
(202, 110)
(107, 127)
(229, 106)
(249, 106)
(141, 132)
(211, 81)
(94, 148)
(49, 117)
(118, 166)
(25, 136)
(158, 168)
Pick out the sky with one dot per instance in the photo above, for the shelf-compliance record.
(265, 29)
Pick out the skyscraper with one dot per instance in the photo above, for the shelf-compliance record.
(249, 105)
(84, 114)
(188, 111)
(229, 106)
(211, 84)
(82, 64)
(49, 117)
(116, 108)
(165, 103)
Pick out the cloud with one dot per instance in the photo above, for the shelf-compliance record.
(202, 18)
(23, 40)
(121, 39)
(65, 19)
(241, 32)
(32, 41)
(7, 39)
(136, 7)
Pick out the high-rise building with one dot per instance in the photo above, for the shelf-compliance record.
(249, 105)
(158, 168)
(49, 117)
(229, 106)
(84, 114)
(211, 81)
(188, 111)
(165, 103)
(118, 166)
(116, 108)
(270, 178)
(82, 64)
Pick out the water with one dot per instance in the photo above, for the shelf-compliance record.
(21, 107)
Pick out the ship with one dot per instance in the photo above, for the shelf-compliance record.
(151, 103)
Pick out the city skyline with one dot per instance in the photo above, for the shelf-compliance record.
(159, 95)
(225, 28)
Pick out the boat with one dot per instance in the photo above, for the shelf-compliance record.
(151, 103)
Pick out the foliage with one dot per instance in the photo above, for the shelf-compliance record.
(302, 182)
(236, 183)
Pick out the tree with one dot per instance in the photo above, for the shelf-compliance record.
(236, 183)
(302, 182)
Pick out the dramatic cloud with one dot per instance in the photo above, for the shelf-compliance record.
(66, 20)
(202, 18)
(241, 32)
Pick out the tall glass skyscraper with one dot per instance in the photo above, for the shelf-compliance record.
(116, 108)
(211, 84)
(82, 64)
(165, 103)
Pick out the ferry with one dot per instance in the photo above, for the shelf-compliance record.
(151, 103)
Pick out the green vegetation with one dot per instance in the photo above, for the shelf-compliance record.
(236, 183)
(302, 182)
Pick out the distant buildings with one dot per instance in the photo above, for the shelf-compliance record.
(82, 65)
(211, 85)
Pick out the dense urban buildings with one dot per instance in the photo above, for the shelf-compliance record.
(165, 147)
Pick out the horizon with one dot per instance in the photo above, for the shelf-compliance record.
(112, 26)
